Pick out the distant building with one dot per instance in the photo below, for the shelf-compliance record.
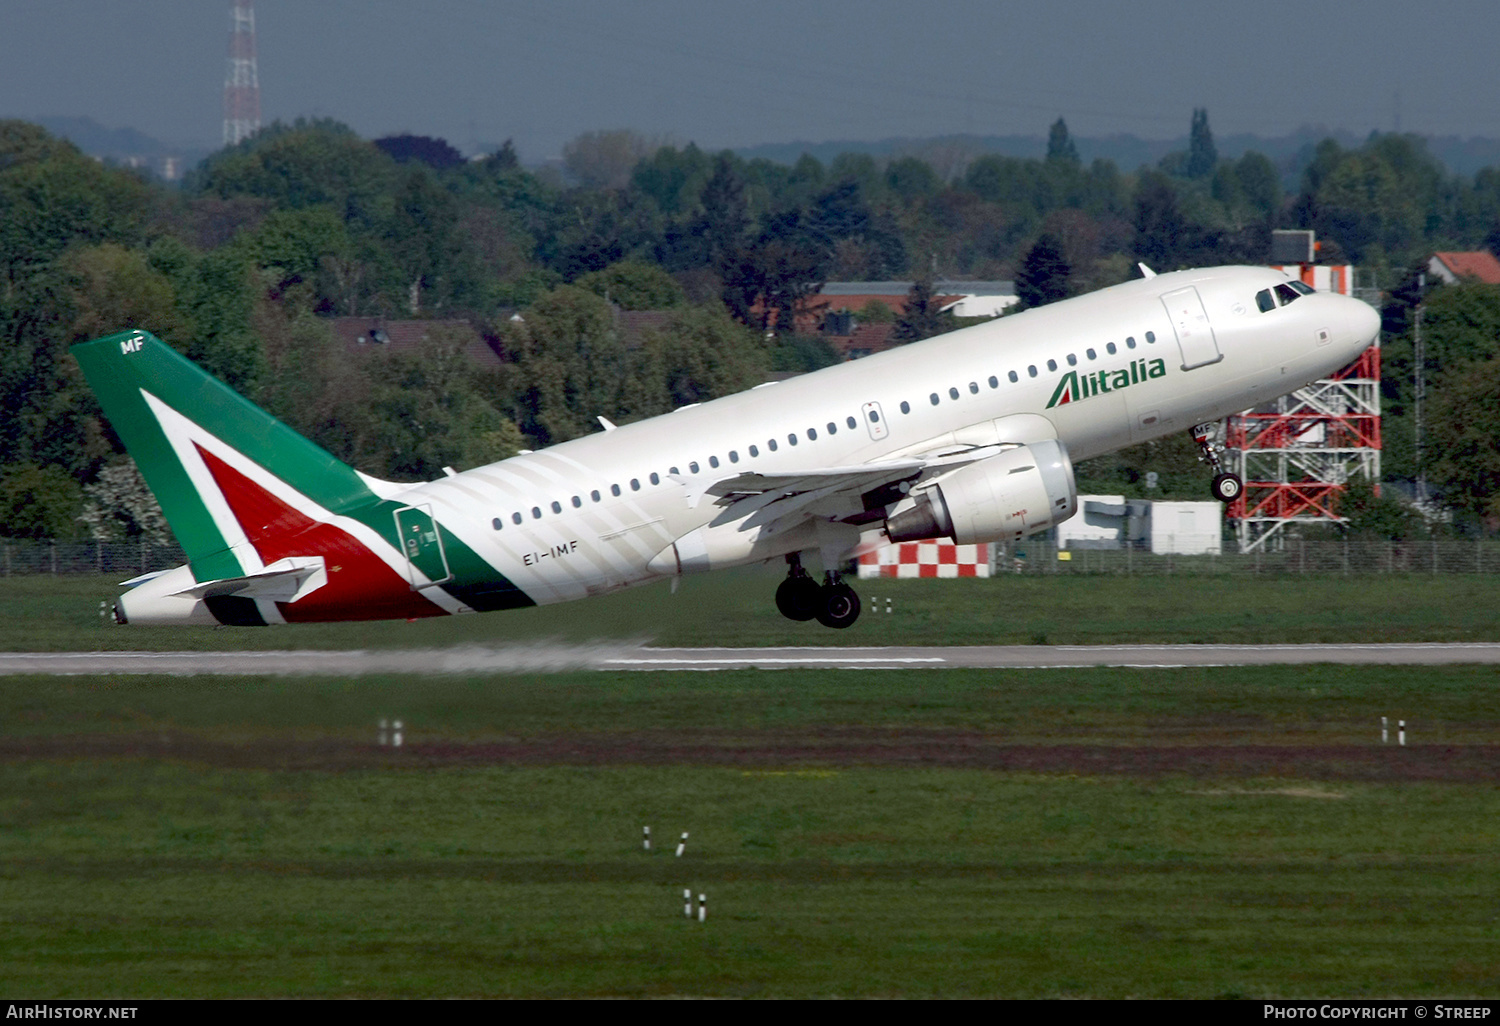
(373, 334)
(836, 309)
(1476, 266)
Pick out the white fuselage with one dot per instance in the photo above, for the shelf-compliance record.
(593, 515)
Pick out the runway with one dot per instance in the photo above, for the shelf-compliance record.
(558, 657)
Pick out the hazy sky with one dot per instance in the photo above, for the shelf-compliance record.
(739, 73)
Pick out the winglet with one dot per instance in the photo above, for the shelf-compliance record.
(605, 422)
(1146, 272)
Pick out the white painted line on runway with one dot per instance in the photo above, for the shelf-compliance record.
(793, 660)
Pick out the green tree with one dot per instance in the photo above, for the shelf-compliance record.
(39, 503)
(923, 317)
(1465, 439)
(114, 288)
(1060, 148)
(1378, 516)
(429, 410)
(570, 365)
(700, 353)
(635, 285)
(1203, 155)
(1044, 274)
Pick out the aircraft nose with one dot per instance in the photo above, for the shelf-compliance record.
(1363, 321)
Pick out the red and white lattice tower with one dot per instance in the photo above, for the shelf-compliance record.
(242, 83)
(1296, 455)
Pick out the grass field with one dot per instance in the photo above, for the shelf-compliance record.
(1043, 833)
(736, 608)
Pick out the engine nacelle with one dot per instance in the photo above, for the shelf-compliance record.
(1020, 491)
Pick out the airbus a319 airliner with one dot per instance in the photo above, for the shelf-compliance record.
(968, 436)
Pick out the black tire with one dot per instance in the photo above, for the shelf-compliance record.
(1227, 487)
(839, 607)
(799, 598)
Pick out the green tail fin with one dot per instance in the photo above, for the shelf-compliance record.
(168, 412)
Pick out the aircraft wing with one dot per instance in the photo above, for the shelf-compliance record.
(859, 477)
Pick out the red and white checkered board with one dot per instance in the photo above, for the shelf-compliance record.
(926, 559)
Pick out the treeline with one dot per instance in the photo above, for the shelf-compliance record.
(242, 267)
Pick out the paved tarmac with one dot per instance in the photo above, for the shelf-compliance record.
(557, 657)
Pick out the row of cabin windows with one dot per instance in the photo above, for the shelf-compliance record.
(1031, 371)
(831, 427)
(693, 468)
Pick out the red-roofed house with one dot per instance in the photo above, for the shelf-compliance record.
(369, 334)
(1452, 267)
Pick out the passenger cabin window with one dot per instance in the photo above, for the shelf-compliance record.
(1109, 347)
(536, 512)
(1150, 336)
(1072, 360)
(994, 381)
(577, 502)
(1031, 370)
(852, 422)
(635, 484)
(874, 416)
(771, 444)
(497, 523)
(515, 518)
(1286, 294)
(1091, 354)
(812, 434)
(693, 467)
(933, 398)
(713, 461)
(655, 478)
(953, 393)
(1130, 342)
(973, 388)
(557, 507)
(594, 495)
(734, 456)
(905, 406)
(792, 438)
(1052, 365)
(614, 490)
(1264, 301)
(833, 428)
(1014, 377)
(754, 452)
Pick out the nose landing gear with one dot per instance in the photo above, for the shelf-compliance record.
(1226, 487)
(799, 597)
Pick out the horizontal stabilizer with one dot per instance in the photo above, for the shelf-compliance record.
(286, 580)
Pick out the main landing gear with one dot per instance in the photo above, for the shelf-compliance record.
(832, 603)
(1226, 487)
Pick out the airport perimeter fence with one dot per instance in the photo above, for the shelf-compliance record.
(129, 559)
(125, 559)
(1293, 556)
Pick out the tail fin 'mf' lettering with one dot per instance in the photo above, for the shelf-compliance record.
(274, 527)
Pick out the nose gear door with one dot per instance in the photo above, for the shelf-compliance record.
(1195, 336)
(422, 544)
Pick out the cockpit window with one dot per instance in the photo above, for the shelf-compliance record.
(1302, 287)
(1264, 301)
(1286, 294)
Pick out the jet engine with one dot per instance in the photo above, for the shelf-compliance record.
(1001, 498)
